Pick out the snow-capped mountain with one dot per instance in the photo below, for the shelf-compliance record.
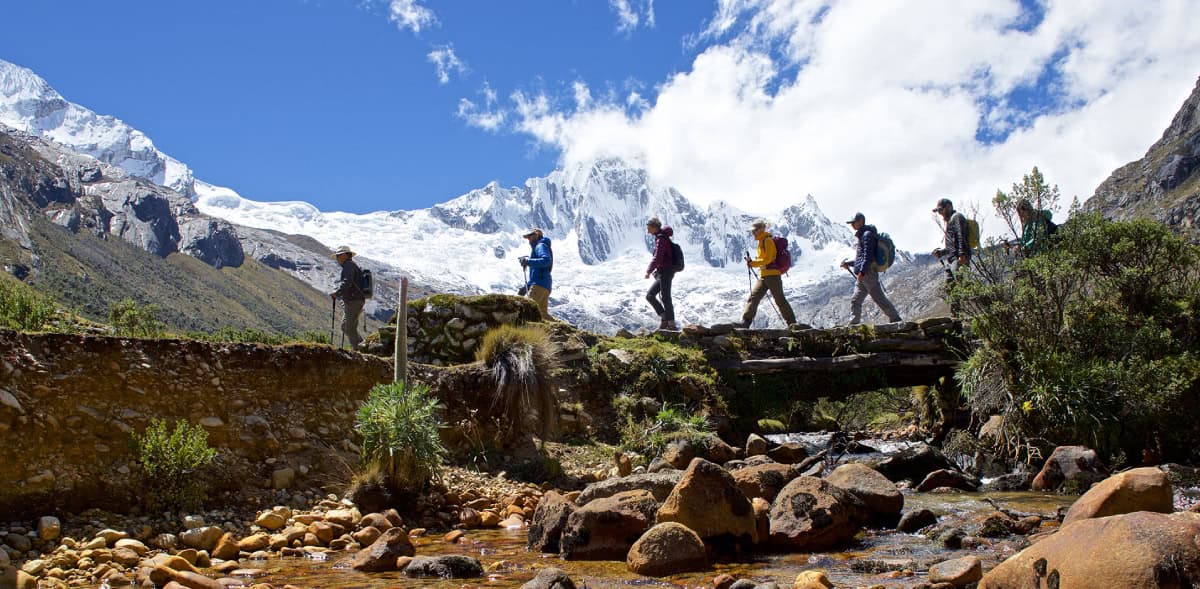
(594, 214)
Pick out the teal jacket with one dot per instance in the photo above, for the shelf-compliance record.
(1035, 230)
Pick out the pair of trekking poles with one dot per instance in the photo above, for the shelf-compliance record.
(751, 276)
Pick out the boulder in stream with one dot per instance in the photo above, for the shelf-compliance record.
(1140, 489)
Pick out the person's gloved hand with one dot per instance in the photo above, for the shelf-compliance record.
(521, 291)
(524, 260)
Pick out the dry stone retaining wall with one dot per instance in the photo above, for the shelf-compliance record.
(447, 329)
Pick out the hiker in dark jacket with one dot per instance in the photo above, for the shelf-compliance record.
(662, 267)
(956, 252)
(866, 275)
(540, 262)
(1035, 227)
(352, 296)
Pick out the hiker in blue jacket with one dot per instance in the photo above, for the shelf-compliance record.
(866, 275)
(540, 262)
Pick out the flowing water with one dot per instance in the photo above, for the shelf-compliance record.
(876, 558)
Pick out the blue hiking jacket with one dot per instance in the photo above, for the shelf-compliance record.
(541, 260)
(865, 255)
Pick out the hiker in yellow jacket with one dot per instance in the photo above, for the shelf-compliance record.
(769, 279)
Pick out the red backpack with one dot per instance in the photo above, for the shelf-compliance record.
(783, 258)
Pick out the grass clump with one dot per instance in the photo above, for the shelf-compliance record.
(129, 319)
(521, 360)
(649, 435)
(24, 309)
(399, 426)
(172, 464)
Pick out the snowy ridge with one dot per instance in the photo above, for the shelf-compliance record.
(595, 215)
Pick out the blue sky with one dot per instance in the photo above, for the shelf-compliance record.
(875, 106)
(331, 101)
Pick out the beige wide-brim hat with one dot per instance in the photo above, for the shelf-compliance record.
(343, 249)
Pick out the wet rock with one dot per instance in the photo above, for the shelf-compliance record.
(1071, 469)
(997, 525)
(947, 479)
(883, 500)
(366, 536)
(453, 536)
(452, 566)
(382, 554)
(606, 528)
(550, 578)
(764, 480)
(1140, 489)
(194, 580)
(49, 528)
(666, 549)
(743, 584)
(378, 521)
(913, 463)
(1017, 481)
(1142, 549)
(723, 581)
(788, 453)
(951, 538)
(660, 484)
(204, 538)
(812, 580)
(707, 500)
(762, 517)
(811, 515)
(469, 518)
(916, 519)
(959, 572)
(756, 445)
(226, 548)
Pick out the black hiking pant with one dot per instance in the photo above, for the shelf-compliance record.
(662, 286)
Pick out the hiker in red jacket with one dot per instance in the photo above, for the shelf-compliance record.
(662, 267)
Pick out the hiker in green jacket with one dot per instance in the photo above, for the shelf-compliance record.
(1036, 227)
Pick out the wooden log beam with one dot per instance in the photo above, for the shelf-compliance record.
(840, 363)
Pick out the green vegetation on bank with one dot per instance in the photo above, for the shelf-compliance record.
(399, 427)
(172, 465)
(23, 308)
(1092, 341)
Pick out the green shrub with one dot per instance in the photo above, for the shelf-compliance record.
(649, 436)
(1092, 341)
(521, 361)
(172, 464)
(399, 427)
(250, 335)
(22, 308)
(128, 319)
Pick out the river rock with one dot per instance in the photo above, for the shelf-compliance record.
(254, 542)
(227, 548)
(883, 500)
(812, 580)
(765, 480)
(382, 554)
(132, 544)
(606, 528)
(788, 453)
(944, 478)
(204, 538)
(195, 580)
(366, 536)
(1140, 489)
(680, 453)
(1141, 549)
(624, 464)
(270, 521)
(1071, 469)
(666, 549)
(451, 566)
(19, 541)
(812, 515)
(756, 445)
(959, 572)
(659, 484)
(1017, 481)
(708, 502)
(347, 518)
(550, 578)
(49, 528)
(913, 464)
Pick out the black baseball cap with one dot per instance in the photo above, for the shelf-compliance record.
(945, 202)
(857, 217)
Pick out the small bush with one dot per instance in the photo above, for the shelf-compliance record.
(250, 335)
(521, 361)
(128, 319)
(399, 427)
(172, 464)
(651, 436)
(22, 308)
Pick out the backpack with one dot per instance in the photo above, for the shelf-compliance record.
(783, 258)
(1051, 227)
(885, 252)
(972, 234)
(676, 257)
(366, 283)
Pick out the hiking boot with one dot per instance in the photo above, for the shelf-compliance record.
(670, 325)
(663, 323)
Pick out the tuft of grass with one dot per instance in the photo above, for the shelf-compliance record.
(521, 360)
(399, 427)
(651, 436)
(172, 464)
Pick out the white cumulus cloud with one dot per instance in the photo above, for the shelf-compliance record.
(409, 14)
(487, 116)
(446, 62)
(884, 107)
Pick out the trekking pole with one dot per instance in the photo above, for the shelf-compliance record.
(332, 317)
(755, 274)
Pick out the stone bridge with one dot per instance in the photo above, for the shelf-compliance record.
(837, 362)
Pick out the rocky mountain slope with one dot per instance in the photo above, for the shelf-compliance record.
(1165, 184)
